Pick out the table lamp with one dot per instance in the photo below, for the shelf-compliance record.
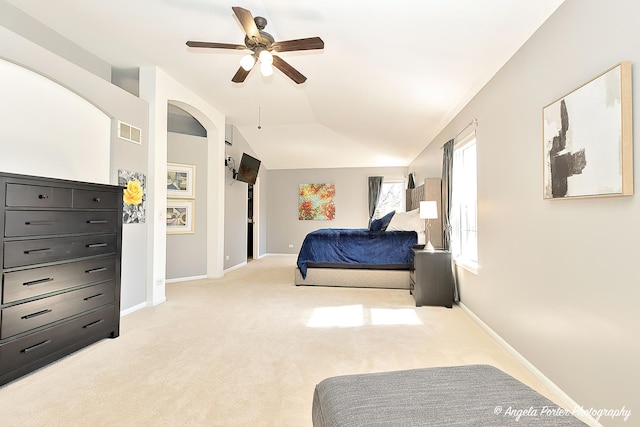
(428, 211)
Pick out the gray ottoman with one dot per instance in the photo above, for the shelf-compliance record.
(473, 395)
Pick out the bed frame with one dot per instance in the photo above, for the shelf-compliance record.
(370, 278)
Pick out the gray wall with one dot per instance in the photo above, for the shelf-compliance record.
(73, 68)
(236, 200)
(558, 279)
(283, 226)
(187, 253)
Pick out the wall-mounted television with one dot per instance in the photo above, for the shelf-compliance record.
(248, 169)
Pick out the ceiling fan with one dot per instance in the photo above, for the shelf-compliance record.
(262, 46)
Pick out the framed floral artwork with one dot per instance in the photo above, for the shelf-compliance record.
(181, 180)
(134, 196)
(315, 202)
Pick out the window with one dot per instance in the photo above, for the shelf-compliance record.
(464, 206)
(392, 198)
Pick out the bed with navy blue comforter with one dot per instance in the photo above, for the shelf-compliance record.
(356, 248)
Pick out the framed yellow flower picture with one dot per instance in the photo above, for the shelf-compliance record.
(133, 196)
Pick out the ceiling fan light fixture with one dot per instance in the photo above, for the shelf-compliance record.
(266, 69)
(247, 62)
(266, 57)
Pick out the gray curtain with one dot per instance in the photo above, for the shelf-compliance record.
(447, 179)
(375, 184)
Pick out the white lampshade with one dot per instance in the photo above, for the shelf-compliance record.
(429, 209)
(266, 57)
(247, 62)
(266, 69)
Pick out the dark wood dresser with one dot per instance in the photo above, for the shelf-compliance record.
(60, 252)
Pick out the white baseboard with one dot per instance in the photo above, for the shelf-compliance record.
(278, 254)
(235, 267)
(132, 309)
(185, 279)
(569, 403)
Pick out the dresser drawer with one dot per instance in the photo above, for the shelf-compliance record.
(23, 317)
(37, 281)
(29, 349)
(96, 199)
(37, 196)
(28, 252)
(42, 223)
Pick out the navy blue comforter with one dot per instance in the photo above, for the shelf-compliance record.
(348, 247)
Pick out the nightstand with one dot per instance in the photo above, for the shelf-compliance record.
(432, 278)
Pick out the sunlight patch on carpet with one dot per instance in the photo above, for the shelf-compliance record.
(351, 316)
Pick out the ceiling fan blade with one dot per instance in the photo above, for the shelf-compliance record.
(215, 45)
(240, 75)
(299, 44)
(248, 24)
(288, 70)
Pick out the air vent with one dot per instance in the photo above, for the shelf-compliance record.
(129, 133)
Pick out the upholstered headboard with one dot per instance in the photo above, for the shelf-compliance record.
(430, 190)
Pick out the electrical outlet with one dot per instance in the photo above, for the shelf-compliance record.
(226, 258)
(290, 245)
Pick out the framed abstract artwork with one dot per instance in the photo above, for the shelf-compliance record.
(180, 216)
(588, 141)
(315, 202)
(181, 180)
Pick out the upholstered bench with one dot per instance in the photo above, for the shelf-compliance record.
(474, 395)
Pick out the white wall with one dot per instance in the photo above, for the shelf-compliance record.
(61, 134)
(160, 89)
(558, 279)
(351, 200)
(113, 102)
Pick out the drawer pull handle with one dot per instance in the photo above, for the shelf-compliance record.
(92, 324)
(97, 221)
(96, 199)
(97, 245)
(37, 282)
(93, 296)
(35, 251)
(38, 223)
(96, 270)
(35, 346)
(36, 314)
(43, 196)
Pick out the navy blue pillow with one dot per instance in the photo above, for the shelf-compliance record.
(382, 223)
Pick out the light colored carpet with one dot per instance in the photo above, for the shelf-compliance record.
(246, 350)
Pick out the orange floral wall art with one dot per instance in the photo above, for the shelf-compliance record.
(315, 202)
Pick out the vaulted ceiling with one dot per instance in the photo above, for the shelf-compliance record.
(391, 75)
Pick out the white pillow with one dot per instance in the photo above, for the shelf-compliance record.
(407, 221)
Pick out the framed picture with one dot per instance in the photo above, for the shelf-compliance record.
(181, 180)
(134, 196)
(588, 141)
(180, 216)
(315, 202)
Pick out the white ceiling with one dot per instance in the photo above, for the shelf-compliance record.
(391, 75)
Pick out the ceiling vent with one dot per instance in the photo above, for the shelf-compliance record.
(129, 133)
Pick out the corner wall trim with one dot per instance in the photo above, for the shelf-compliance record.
(568, 401)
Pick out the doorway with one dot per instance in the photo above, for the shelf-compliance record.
(250, 223)
(253, 223)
